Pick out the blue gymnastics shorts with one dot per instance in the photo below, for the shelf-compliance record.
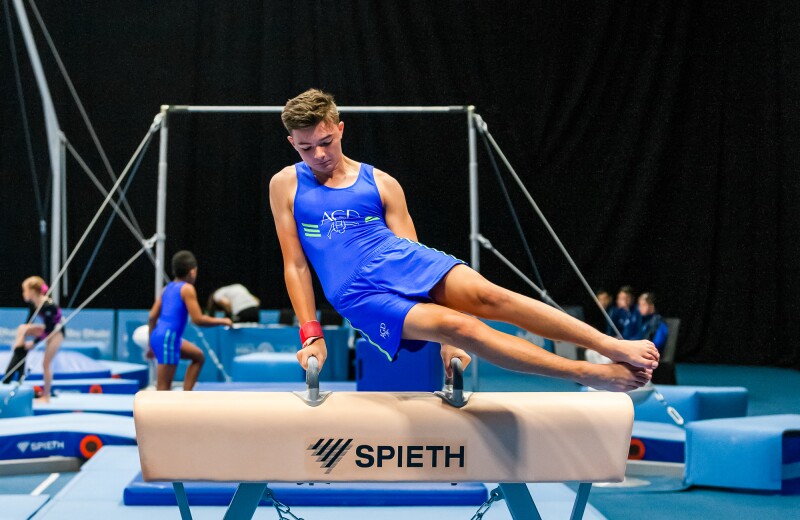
(378, 297)
(166, 345)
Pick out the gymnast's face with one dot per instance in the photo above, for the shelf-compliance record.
(624, 300)
(646, 309)
(319, 146)
(29, 294)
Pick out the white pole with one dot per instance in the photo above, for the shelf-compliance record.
(62, 157)
(53, 141)
(474, 230)
(161, 210)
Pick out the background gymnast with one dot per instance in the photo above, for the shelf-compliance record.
(351, 222)
(34, 292)
(168, 316)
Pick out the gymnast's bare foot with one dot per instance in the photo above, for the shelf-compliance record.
(615, 377)
(44, 399)
(641, 353)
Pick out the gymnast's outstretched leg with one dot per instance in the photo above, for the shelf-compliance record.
(193, 353)
(432, 322)
(465, 290)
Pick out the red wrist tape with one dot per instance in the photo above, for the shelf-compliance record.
(310, 329)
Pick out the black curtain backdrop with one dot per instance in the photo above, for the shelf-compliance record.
(662, 140)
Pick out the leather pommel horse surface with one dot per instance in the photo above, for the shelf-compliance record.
(383, 437)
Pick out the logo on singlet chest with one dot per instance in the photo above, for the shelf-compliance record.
(337, 221)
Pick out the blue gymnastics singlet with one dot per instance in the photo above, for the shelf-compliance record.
(371, 277)
(339, 228)
(168, 333)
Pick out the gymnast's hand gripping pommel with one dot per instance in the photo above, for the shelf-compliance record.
(312, 396)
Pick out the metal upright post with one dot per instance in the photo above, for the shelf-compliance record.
(52, 129)
(474, 229)
(161, 210)
(64, 254)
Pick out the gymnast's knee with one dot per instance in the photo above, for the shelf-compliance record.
(492, 296)
(458, 328)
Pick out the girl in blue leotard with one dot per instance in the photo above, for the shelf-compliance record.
(168, 318)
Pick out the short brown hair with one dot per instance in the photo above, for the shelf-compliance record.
(308, 109)
(36, 283)
(648, 297)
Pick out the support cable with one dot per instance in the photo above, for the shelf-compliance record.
(55, 282)
(513, 211)
(107, 227)
(483, 128)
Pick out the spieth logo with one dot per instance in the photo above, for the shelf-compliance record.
(329, 452)
(53, 445)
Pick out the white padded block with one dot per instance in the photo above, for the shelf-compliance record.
(386, 437)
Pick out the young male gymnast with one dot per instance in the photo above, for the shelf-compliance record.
(34, 292)
(168, 318)
(351, 222)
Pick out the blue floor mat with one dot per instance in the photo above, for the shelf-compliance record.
(140, 493)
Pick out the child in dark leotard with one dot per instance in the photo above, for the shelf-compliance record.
(34, 293)
(168, 319)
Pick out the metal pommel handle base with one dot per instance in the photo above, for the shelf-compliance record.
(453, 392)
(312, 396)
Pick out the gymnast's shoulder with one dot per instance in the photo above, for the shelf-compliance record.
(284, 179)
(384, 180)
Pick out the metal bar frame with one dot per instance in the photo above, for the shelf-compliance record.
(469, 110)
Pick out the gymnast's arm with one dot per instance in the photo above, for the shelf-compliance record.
(189, 296)
(295, 265)
(395, 210)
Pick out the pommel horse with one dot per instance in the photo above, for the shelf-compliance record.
(509, 437)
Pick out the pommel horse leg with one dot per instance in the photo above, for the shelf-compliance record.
(243, 505)
(521, 506)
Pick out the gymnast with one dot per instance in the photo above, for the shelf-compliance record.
(34, 292)
(352, 223)
(168, 318)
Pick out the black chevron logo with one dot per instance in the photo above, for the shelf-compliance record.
(328, 452)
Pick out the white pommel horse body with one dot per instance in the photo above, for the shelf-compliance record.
(255, 438)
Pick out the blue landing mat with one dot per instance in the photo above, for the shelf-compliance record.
(113, 404)
(105, 385)
(140, 493)
(66, 435)
(66, 365)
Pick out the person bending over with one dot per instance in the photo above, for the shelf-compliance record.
(236, 302)
(350, 221)
(34, 292)
(167, 322)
